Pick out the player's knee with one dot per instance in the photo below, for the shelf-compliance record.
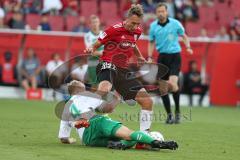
(108, 108)
(144, 99)
(146, 103)
(174, 86)
(104, 87)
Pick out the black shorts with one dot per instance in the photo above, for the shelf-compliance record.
(173, 62)
(121, 79)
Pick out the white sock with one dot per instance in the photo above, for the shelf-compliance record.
(80, 133)
(64, 130)
(145, 120)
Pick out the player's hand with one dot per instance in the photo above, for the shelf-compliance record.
(190, 51)
(150, 60)
(88, 50)
(141, 60)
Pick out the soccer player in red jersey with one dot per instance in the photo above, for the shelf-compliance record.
(119, 43)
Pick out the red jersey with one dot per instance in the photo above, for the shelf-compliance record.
(119, 44)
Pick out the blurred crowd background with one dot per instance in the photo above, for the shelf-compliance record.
(205, 19)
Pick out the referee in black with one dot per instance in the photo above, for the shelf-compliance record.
(164, 34)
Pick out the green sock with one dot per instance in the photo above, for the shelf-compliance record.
(129, 144)
(141, 137)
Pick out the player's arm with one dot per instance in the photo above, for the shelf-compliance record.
(93, 49)
(108, 105)
(151, 46)
(186, 41)
(151, 43)
(138, 54)
(103, 38)
(88, 44)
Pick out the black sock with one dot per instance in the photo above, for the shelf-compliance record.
(166, 103)
(176, 96)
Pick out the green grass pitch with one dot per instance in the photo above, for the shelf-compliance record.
(28, 130)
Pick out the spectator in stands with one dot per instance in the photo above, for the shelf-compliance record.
(149, 9)
(30, 70)
(2, 25)
(237, 29)
(2, 15)
(17, 21)
(193, 83)
(118, 6)
(235, 22)
(222, 35)
(31, 6)
(44, 24)
(52, 6)
(233, 35)
(203, 35)
(171, 8)
(126, 5)
(81, 27)
(8, 5)
(71, 7)
(7, 69)
(190, 11)
(148, 6)
(56, 71)
(79, 69)
(179, 4)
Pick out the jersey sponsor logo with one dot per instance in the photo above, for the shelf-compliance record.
(127, 44)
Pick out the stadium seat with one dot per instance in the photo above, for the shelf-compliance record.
(33, 20)
(88, 7)
(56, 23)
(193, 28)
(45, 46)
(71, 22)
(9, 42)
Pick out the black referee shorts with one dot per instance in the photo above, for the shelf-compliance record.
(172, 61)
(121, 79)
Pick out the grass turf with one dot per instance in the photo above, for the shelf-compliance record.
(28, 130)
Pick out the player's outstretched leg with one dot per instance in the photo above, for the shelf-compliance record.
(144, 99)
(130, 138)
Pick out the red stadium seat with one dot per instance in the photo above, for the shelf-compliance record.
(193, 28)
(77, 46)
(88, 7)
(44, 46)
(9, 42)
(56, 23)
(33, 20)
(71, 22)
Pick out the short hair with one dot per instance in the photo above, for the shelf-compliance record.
(161, 4)
(136, 9)
(75, 87)
(93, 17)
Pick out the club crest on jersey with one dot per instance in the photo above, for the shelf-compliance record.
(103, 35)
(123, 37)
